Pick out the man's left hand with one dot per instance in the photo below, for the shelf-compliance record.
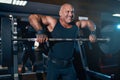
(92, 38)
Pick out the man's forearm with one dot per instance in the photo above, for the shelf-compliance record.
(35, 22)
(92, 26)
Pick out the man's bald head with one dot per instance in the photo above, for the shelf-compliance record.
(66, 12)
(65, 5)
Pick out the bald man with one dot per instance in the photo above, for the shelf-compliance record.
(60, 53)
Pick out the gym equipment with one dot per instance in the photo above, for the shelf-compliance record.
(113, 45)
(60, 39)
(7, 49)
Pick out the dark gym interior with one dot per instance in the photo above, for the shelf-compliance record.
(17, 62)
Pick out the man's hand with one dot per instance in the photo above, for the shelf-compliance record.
(92, 38)
(41, 38)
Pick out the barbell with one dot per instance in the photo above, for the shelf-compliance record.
(61, 39)
(107, 45)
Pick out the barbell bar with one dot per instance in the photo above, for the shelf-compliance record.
(61, 39)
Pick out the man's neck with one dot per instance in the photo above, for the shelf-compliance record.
(64, 24)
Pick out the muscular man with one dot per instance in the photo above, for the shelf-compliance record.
(60, 54)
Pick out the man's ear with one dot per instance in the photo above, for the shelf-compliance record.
(59, 13)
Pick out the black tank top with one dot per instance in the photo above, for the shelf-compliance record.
(62, 50)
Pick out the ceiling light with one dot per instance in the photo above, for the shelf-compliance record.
(117, 15)
(118, 26)
(19, 2)
(6, 1)
(14, 2)
(82, 18)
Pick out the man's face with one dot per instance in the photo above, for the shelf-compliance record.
(67, 13)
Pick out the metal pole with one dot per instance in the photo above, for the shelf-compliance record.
(6, 44)
(14, 48)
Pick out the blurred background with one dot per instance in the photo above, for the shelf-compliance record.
(102, 57)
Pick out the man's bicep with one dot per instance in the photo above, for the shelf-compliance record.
(82, 23)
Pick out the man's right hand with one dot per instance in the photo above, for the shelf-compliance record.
(41, 38)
